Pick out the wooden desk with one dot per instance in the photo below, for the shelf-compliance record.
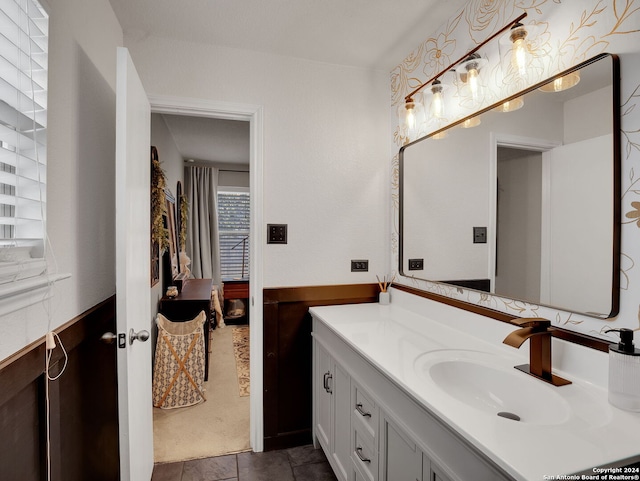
(194, 297)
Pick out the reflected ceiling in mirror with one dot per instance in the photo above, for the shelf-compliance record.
(524, 205)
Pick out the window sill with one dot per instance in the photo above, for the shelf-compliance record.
(23, 293)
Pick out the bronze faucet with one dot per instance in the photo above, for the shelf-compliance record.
(537, 331)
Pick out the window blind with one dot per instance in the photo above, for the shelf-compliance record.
(233, 232)
(23, 124)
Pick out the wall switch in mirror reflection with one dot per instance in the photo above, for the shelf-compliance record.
(416, 264)
(479, 235)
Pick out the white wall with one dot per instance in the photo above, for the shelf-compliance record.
(228, 178)
(171, 162)
(170, 159)
(325, 150)
(579, 124)
(80, 172)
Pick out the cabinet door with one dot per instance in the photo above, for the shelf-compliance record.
(322, 398)
(431, 472)
(341, 450)
(400, 458)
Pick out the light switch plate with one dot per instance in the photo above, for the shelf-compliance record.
(276, 233)
(416, 264)
(361, 265)
(479, 235)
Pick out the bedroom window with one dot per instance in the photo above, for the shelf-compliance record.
(23, 146)
(233, 232)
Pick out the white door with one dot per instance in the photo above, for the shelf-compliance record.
(133, 304)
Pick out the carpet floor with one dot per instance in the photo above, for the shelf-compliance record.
(220, 425)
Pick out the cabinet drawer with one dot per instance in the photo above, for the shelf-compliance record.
(364, 410)
(358, 474)
(365, 454)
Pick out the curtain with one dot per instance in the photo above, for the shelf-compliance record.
(203, 245)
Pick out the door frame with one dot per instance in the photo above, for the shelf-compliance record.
(254, 115)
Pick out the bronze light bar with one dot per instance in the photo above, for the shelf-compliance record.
(409, 98)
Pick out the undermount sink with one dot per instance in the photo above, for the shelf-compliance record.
(492, 386)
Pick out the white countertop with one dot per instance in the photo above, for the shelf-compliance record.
(591, 433)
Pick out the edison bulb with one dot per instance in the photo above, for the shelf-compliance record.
(474, 82)
(437, 102)
(411, 116)
(519, 50)
(470, 123)
(510, 105)
(562, 83)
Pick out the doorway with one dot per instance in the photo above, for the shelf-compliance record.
(519, 215)
(519, 223)
(253, 115)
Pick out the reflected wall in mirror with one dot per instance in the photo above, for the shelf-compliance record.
(173, 238)
(542, 181)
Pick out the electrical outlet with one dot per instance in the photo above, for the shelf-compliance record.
(276, 233)
(359, 265)
(416, 264)
(479, 235)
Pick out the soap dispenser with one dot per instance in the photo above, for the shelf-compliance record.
(624, 372)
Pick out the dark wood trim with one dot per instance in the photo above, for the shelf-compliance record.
(287, 368)
(83, 423)
(558, 332)
(325, 294)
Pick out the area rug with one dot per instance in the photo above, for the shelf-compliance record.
(218, 426)
(241, 351)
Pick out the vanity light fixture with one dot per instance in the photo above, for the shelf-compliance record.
(562, 83)
(510, 105)
(469, 66)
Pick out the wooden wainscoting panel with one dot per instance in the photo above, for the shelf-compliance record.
(83, 405)
(288, 360)
(21, 450)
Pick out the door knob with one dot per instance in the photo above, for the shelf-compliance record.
(141, 336)
(108, 337)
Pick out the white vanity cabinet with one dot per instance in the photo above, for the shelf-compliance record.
(400, 455)
(372, 430)
(331, 398)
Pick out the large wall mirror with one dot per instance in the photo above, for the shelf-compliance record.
(526, 204)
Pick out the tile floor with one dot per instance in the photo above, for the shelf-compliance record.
(296, 464)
